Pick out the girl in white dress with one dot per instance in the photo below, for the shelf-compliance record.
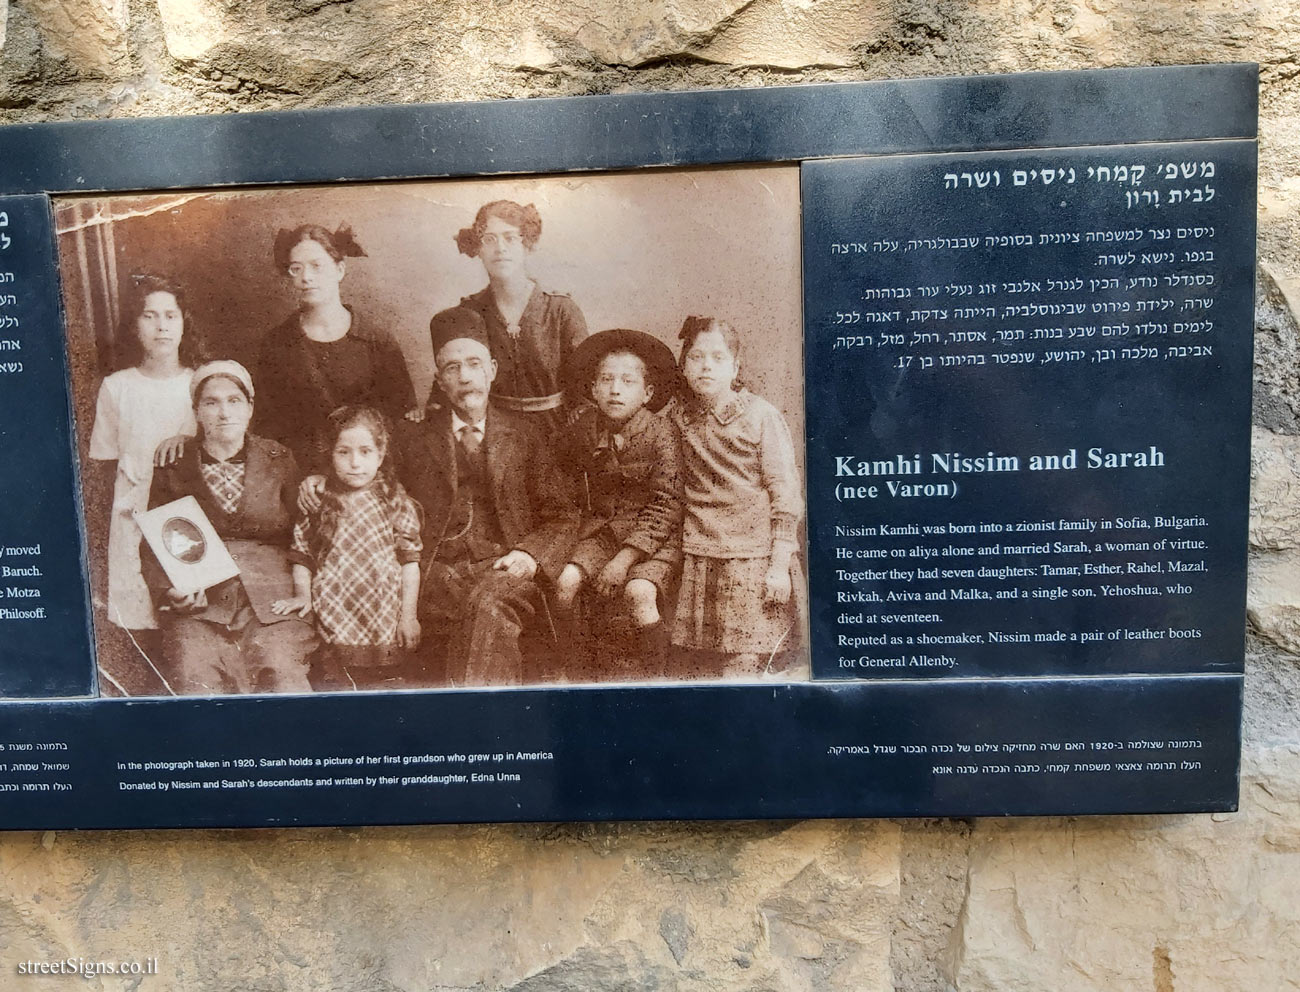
(139, 407)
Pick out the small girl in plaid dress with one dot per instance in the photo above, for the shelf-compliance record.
(356, 559)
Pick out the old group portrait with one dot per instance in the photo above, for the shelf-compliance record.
(539, 431)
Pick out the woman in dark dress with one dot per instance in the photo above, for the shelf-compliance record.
(325, 355)
(531, 332)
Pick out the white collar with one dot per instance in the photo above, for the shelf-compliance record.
(457, 424)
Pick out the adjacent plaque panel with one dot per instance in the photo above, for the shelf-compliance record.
(44, 608)
(1029, 410)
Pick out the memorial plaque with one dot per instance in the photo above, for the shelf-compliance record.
(1019, 430)
(44, 615)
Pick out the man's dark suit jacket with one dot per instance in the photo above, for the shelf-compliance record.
(533, 506)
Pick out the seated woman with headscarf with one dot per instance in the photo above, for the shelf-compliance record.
(227, 639)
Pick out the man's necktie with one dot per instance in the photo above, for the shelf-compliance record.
(470, 439)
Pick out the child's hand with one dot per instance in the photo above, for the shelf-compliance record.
(182, 602)
(171, 449)
(519, 564)
(309, 493)
(415, 416)
(408, 633)
(301, 605)
(613, 577)
(776, 586)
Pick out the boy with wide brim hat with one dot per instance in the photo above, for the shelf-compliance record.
(660, 366)
(624, 461)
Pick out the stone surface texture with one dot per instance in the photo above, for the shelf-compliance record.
(780, 906)
(1194, 903)
(1150, 904)
(1272, 606)
(1274, 490)
(90, 34)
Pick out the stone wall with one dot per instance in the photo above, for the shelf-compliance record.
(1166, 904)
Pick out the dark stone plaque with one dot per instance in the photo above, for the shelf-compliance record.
(705, 752)
(1029, 410)
(44, 608)
(1027, 353)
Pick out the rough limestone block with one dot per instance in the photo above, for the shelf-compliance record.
(1274, 491)
(275, 53)
(831, 33)
(795, 34)
(4, 20)
(807, 908)
(788, 34)
(296, 46)
(636, 33)
(191, 29)
(1273, 598)
(1170, 904)
(674, 908)
(1277, 351)
(91, 34)
(304, 45)
(20, 58)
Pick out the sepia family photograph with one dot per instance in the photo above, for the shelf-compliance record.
(464, 433)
